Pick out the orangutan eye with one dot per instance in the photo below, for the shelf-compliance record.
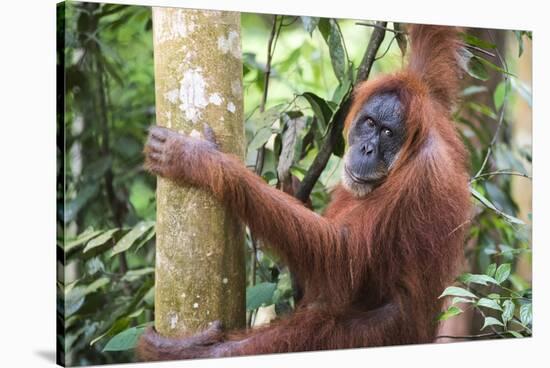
(370, 122)
(387, 132)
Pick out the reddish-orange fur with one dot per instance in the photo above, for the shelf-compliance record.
(372, 267)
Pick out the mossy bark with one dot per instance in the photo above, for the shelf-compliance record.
(200, 270)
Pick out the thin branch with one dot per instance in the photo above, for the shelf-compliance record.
(376, 25)
(478, 49)
(470, 337)
(270, 51)
(387, 48)
(502, 109)
(501, 172)
(337, 122)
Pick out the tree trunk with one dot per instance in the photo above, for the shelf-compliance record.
(200, 269)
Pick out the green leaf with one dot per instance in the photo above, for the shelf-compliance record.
(472, 90)
(472, 65)
(260, 138)
(260, 294)
(458, 299)
(457, 291)
(94, 265)
(310, 23)
(148, 237)
(451, 312)
(320, 108)
(514, 333)
(74, 299)
(494, 296)
(125, 340)
(102, 281)
(491, 206)
(491, 321)
(468, 278)
(128, 240)
(526, 313)
(498, 95)
(100, 240)
(83, 196)
(502, 273)
(508, 312)
(134, 275)
(475, 41)
(331, 33)
(489, 303)
(491, 269)
(519, 37)
(82, 238)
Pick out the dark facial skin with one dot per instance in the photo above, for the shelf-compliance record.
(375, 138)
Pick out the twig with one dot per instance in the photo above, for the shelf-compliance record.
(270, 51)
(376, 25)
(259, 165)
(502, 109)
(471, 337)
(479, 49)
(387, 49)
(337, 122)
(503, 172)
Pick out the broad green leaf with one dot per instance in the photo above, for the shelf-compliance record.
(498, 95)
(472, 90)
(451, 312)
(320, 108)
(331, 33)
(491, 269)
(94, 265)
(309, 23)
(494, 296)
(526, 313)
(128, 240)
(148, 237)
(471, 65)
(102, 281)
(477, 279)
(502, 273)
(337, 51)
(134, 275)
(458, 299)
(519, 37)
(74, 299)
(82, 198)
(491, 206)
(100, 240)
(491, 321)
(400, 37)
(483, 109)
(514, 333)
(475, 41)
(119, 325)
(457, 291)
(493, 66)
(508, 312)
(260, 294)
(489, 303)
(81, 239)
(260, 138)
(125, 340)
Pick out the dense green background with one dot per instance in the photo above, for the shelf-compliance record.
(106, 202)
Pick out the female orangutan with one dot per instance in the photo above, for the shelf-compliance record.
(391, 239)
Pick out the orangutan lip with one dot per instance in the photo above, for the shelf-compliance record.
(355, 178)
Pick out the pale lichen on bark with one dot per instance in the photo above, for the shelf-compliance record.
(200, 246)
